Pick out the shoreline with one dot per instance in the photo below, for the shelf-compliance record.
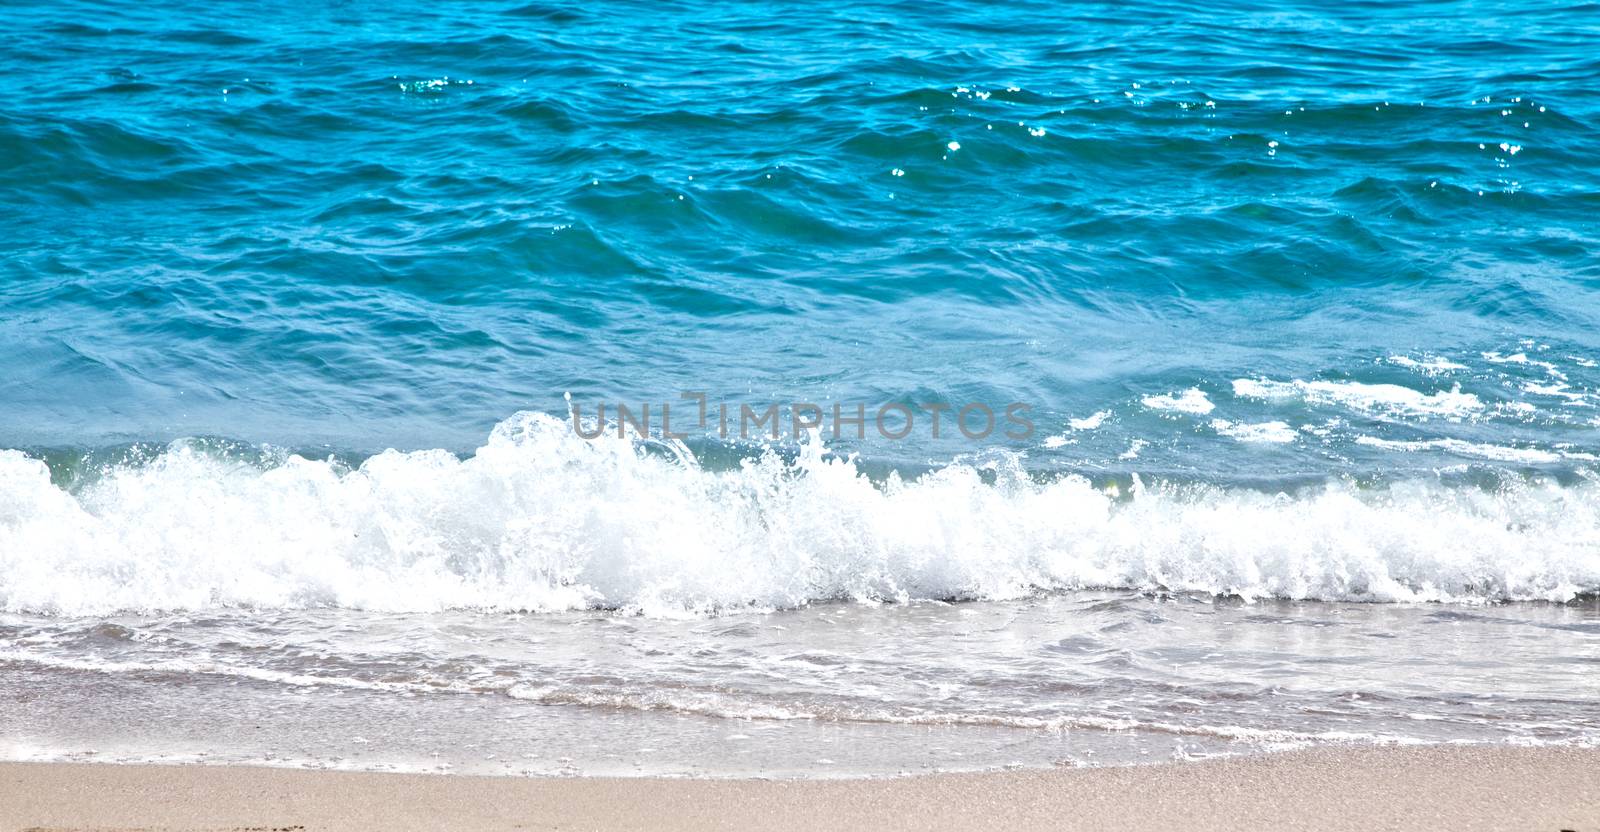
(1437, 787)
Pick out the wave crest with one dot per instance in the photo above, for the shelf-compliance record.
(540, 519)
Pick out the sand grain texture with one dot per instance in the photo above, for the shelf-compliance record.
(1350, 789)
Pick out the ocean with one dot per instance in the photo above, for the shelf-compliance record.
(794, 389)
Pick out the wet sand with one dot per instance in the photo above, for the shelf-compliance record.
(1412, 788)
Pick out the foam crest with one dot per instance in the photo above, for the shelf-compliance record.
(1192, 400)
(1381, 399)
(540, 519)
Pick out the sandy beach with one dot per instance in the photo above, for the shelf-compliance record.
(1347, 789)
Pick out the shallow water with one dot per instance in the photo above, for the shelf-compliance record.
(1081, 678)
(1303, 304)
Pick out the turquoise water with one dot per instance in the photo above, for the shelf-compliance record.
(1301, 305)
(375, 225)
(1237, 263)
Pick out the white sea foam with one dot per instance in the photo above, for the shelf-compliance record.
(540, 519)
(1555, 388)
(1499, 453)
(1193, 400)
(1428, 364)
(1522, 358)
(1090, 422)
(1383, 399)
(1260, 432)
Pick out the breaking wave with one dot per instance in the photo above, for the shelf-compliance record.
(539, 519)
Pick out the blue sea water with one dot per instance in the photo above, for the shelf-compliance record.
(397, 224)
(1303, 301)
